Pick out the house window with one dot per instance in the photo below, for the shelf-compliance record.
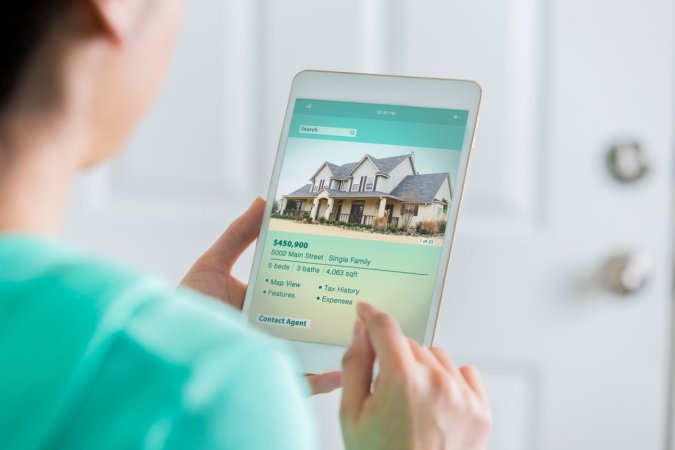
(355, 187)
(362, 184)
(410, 209)
(321, 185)
(315, 188)
(344, 186)
(370, 183)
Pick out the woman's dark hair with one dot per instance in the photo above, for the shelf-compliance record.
(24, 24)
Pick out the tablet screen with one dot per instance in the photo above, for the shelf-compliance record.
(360, 214)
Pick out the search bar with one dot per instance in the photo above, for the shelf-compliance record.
(328, 131)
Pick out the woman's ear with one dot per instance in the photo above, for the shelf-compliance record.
(118, 17)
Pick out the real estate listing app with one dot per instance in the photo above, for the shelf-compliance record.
(360, 214)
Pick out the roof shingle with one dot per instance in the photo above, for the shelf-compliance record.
(424, 186)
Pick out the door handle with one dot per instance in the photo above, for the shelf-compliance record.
(627, 274)
(628, 162)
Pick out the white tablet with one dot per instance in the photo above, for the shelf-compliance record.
(362, 206)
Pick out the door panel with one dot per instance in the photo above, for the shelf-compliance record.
(499, 44)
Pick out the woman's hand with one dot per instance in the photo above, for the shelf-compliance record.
(421, 399)
(212, 275)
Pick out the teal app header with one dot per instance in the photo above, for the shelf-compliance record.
(379, 124)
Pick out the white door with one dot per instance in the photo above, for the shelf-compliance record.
(568, 363)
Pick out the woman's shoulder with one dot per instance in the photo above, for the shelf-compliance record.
(57, 297)
(109, 338)
(80, 290)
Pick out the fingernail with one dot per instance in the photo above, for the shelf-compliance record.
(257, 199)
(362, 309)
(359, 308)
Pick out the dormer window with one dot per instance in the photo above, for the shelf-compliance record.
(355, 186)
(344, 186)
(370, 183)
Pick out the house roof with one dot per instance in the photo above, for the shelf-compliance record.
(344, 194)
(383, 165)
(386, 165)
(305, 191)
(333, 168)
(337, 172)
(341, 172)
(425, 186)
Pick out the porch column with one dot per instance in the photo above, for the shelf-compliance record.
(315, 205)
(329, 208)
(284, 202)
(383, 204)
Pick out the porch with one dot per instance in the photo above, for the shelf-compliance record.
(362, 219)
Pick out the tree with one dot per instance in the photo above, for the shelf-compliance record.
(446, 204)
(409, 207)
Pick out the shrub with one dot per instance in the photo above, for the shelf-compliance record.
(392, 228)
(342, 223)
(322, 220)
(418, 226)
(423, 231)
(441, 226)
(305, 216)
(431, 226)
(367, 227)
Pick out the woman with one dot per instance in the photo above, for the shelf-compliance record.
(95, 355)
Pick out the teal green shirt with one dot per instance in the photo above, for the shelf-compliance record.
(97, 356)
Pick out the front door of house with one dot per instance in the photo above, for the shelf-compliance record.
(356, 214)
(338, 210)
(390, 213)
(321, 209)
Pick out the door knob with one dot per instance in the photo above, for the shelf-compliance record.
(627, 274)
(627, 162)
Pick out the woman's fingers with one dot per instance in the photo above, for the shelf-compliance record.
(391, 347)
(325, 382)
(446, 361)
(238, 236)
(357, 372)
(473, 379)
(424, 355)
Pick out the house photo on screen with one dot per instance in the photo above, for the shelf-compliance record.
(365, 191)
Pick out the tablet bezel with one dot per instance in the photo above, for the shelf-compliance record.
(378, 89)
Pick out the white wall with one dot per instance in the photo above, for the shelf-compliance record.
(444, 192)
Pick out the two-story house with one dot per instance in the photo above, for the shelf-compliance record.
(357, 192)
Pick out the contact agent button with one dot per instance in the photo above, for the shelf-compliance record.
(283, 321)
